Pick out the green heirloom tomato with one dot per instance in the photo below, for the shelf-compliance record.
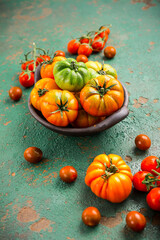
(71, 75)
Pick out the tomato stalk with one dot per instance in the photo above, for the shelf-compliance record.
(41, 92)
(102, 90)
(112, 169)
(150, 180)
(61, 107)
(74, 66)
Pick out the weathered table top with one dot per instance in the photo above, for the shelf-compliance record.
(35, 204)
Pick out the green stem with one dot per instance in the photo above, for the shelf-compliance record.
(34, 56)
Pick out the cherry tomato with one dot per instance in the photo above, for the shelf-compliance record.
(109, 52)
(42, 58)
(25, 80)
(73, 46)
(59, 53)
(98, 44)
(142, 142)
(137, 181)
(82, 58)
(33, 154)
(151, 163)
(85, 49)
(15, 93)
(85, 39)
(108, 31)
(68, 174)
(29, 64)
(153, 199)
(91, 216)
(136, 221)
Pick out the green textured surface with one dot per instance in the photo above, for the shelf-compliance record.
(53, 208)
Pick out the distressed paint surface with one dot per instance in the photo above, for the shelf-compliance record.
(35, 204)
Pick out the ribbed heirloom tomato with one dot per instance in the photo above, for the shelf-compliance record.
(110, 178)
(59, 107)
(102, 96)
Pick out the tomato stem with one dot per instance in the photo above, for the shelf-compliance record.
(41, 92)
(61, 107)
(150, 180)
(112, 169)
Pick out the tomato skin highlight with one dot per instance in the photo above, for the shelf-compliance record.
(68, 174)
(150, 163)
(137, 181)
(142, 142)
(33, 154)
(91, 216)
(109, 52)
(136, 221)
(15, 93)
(153, 199)
(73, 46)
(25, 80)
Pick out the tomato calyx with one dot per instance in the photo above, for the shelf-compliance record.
(150, 180)
(61, 107)
(41, 92)
(112, 169)
(102, 89)
(74, 66)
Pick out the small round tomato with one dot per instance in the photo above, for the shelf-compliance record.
(68, 174)
(138, 179)
(82, 58)
(33, 154)
(109, 52)
(136, 221)
(15, 93)
(91, 216)
(73, 46)
(142, 142)
(151, 163)
(28, 64)
(42, 58)
(59, 53)
(98, 44)
(85, 49)
(26, 79)
(153, 199)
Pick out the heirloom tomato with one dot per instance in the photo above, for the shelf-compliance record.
(73, 46)
(136, 221)
(85, 49)
(153, 199)
(151, 163)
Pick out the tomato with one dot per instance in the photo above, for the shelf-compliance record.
(142, 142)
(82, 58)
(47, 70)
(26, 79)
(151, 163)
(109, 52)
(137, 181)
(59, 53)
(59, 107)
(40, 89)
(85, 49)
(73, 46)
(98, 44)
(42, 58)
(91, 216)
(85, 39)
(33, 154)
(15, 93)
(71, 75)
(136, 221)
(153, 199)
(109, 177)
(103, 32)
(102, 96)
(68, 174)
(29, 65)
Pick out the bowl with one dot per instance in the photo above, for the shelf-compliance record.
(110, 121)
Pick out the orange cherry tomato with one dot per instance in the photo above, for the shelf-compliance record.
(142, 142)
(15, 93)
(136, 221)
(91, 216)
(109, 52)
(68, 174)
(82, 58)
(59, 53)
(33, 154)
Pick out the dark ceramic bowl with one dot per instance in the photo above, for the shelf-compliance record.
(70, 131)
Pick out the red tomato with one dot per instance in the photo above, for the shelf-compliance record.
(153, 199)
(91, 216)
(136, 221)
(85, 49)
(68, 174)
(73, 46)
(85, 39)
(137, 181)
(109, 52)
(59, 53)
(103, 33)
(82, 58)
(29, 64)
(42, 58)
(33, 154)
(15, 93)
(25, 80)
(142, 142)
(151, 163)
(98, 44)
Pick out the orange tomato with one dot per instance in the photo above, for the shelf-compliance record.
(59, 107)
(110, 178)
(39, 90)
(102, 96)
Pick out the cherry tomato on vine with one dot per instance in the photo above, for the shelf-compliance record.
(137, 181)
(91, 216)
(85, 49)
(142, 142)
(109, 52)
(151, 163)
(15, 93)
(59, 53)
(68, 174)
(82, 58)
(73, 46)
(42, 58)
(33, 154)
(153, 199)
(136, 221)
(28, 64)
(26, 80)
(98, 44)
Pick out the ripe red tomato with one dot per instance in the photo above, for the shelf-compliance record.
(85, 49)
(33, 154)
(91, 216)
(98, 44)
(82, 58)
(25, 80)
(15, 93)
(109, 52)
(42, 58)
(85, 39)
(142, 142)
(29, 64)
(136, 221)
(68, 174)
(59, 53)
(73, 46)
(153, 199)
(151, 163)
(137, 181)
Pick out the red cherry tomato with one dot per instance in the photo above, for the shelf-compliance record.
(153, 199)
(136, 221)
(59, 53)
(42, 58)
(33, 154)
(91, 216)
(29, 64)
(109, 52)
(25, 80)
(82, 58)
(151, 163)
(137, 181)
(15, 93)
(85, 39)
(98, 44)
(73, 46)
(85, 49)
(142, 142)
(68, 174)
